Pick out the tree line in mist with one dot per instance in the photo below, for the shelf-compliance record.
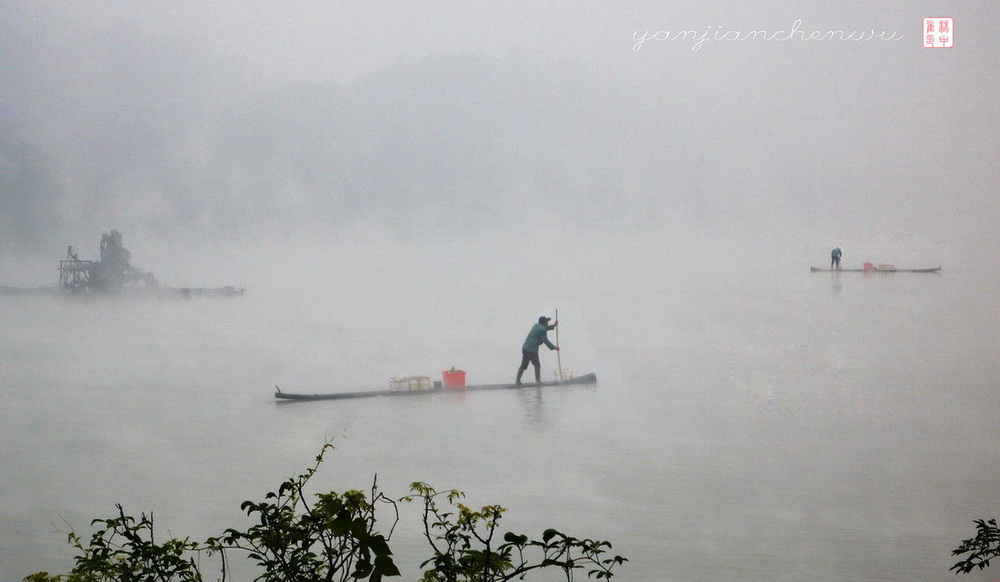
(113, 127)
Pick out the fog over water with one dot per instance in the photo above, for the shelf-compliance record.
(401, 192)
(840, 426)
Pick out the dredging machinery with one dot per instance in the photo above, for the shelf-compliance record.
(114, 275)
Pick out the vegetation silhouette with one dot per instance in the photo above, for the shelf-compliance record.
(980, 549)
(298, 537)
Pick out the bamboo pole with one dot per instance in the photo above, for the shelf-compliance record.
(559, 376)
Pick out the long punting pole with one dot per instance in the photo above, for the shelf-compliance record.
(559, 377)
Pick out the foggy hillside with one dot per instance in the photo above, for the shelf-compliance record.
(115, 128)
(163, 137)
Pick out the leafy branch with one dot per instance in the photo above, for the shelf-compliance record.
(981, 549)
(465, 551)
(330, 539)
(123, 549)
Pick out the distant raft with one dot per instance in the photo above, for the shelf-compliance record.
(578, 380)
(876, 269)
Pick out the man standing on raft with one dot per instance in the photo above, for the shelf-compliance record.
(529, 351)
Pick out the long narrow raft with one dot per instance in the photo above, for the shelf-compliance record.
(585, 379)
(930, 270)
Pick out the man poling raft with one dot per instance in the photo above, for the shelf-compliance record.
(529, 354)
(529, 351)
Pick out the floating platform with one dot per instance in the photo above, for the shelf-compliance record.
(113, 276)
(136, 292)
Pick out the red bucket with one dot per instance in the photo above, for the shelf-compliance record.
(454, 378)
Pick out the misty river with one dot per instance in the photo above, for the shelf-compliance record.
(779, 425)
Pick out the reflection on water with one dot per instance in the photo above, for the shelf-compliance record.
(531, 403)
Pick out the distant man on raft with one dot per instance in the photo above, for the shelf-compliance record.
(529, 351)
(835, 258)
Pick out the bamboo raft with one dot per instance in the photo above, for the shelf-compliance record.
(578, 380)
(875, 270)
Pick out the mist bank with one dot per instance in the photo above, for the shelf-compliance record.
(113, 127)
(158, 136)
(540, 258)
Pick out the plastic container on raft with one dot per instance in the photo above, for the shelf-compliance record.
(408, 383)
(563, 375)
(453, 378)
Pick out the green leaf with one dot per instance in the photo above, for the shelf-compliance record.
(379, 546)
(386, 566)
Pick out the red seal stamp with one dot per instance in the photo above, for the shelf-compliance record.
(939, 32)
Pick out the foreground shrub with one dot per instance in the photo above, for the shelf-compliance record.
(331, 537)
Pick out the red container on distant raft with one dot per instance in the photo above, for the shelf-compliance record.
(868, 266)
(454, 378)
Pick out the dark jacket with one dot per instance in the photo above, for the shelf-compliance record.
(538, 336)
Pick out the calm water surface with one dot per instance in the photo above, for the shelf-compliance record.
(790, 427)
